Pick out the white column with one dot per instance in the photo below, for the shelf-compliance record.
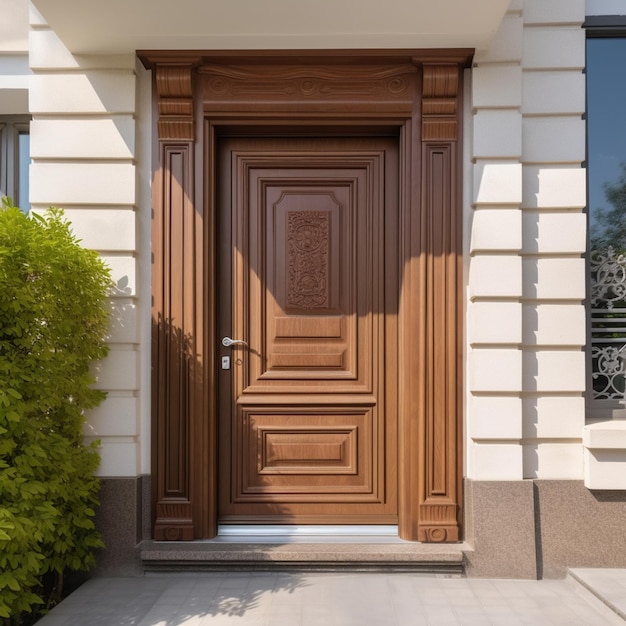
(554, 238)
(83, 150)
(494, 314)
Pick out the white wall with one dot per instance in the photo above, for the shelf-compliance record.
(85, 147)
(90, 143)
(526, 285)
(14, 71)
(14, 26)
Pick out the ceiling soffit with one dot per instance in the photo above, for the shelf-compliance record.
(120, 26)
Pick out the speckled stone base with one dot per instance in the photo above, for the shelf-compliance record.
(123, 519)
(578, 527)
(539, 529)
(513, 529)
(500, 527)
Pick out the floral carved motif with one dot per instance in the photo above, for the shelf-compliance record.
(308, 234)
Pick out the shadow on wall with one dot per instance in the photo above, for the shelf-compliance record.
(123, 517)
(177, 391)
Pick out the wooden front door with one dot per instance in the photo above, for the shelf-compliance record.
(337, 260)
(308, 277)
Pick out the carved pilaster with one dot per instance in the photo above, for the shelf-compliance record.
(440, 236)
(176, 370)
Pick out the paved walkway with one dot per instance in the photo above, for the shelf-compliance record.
(339, 599)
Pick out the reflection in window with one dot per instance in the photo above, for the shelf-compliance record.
(606, 167)
(15, 159)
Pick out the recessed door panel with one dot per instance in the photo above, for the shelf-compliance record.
(308, 423)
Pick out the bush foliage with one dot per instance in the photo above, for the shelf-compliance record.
(53, 325)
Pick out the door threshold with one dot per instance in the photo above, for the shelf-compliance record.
(315, 553)
(287, 533)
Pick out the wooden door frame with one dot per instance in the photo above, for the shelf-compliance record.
(197, 96)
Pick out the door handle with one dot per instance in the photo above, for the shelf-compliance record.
(227, 342)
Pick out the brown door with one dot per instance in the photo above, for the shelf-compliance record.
(309, 280)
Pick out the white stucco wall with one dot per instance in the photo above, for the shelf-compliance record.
(14, 71)
(526, 275)
(14, 26)
(89, 131)
(525, 231)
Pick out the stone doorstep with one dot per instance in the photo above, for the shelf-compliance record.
(179, 556)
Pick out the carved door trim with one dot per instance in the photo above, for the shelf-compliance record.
(198, 97)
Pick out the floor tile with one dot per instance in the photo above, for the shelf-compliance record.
(320, 599)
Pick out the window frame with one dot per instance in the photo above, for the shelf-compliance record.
(12, 176)
(597, 27)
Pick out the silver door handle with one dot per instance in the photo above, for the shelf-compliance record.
(227, 342)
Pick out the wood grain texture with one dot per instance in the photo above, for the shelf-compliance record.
(315, 323)
(174, 88)
(308, 257)
(173, 343)
(440, 94)
(440, 489)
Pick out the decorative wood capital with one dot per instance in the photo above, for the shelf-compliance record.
(440, 86)
(174, 86)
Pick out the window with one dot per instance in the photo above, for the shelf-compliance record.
(15, 159)
(606, 188)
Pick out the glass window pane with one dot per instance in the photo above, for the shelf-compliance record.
(606, 169)
(606, 127)
(23, 171)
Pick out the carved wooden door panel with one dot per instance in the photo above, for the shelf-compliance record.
(309, 280)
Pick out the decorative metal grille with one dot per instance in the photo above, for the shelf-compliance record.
(608, 323)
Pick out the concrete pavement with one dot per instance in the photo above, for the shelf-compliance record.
(342, 599)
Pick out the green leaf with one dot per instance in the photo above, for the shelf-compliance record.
(54, 321)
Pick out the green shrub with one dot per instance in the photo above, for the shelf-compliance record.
(53, 324)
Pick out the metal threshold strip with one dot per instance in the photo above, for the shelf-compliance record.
(285, 533)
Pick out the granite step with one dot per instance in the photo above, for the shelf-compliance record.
(447, 559)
